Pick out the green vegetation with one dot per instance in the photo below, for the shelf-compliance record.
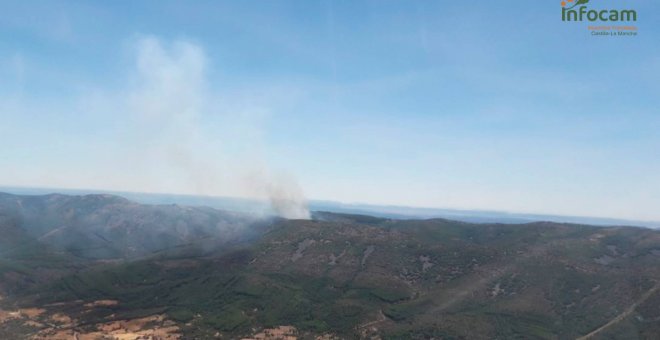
(405, 279)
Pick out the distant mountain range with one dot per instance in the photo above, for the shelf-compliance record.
(103, 226)
(398, 212)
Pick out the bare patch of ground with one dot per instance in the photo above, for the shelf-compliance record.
(277, 333)
(301, 248)
(367, 252)
(102, 303)
(333, 258)
(286, 333)
(56, 325)
(426, 263)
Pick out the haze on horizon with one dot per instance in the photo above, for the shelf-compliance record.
(448, 105)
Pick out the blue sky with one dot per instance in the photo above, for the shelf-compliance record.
(463, 104)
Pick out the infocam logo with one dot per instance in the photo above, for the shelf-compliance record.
(570, 13)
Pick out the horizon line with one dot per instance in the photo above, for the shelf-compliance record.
(355, 205)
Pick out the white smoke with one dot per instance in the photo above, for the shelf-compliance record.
(284, 194)
(186, 142)
(288, 201)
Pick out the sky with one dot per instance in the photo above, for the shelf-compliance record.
(448, 104)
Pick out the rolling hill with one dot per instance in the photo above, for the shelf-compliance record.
(95, 266)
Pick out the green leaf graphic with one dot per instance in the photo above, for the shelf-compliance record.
(579, 2)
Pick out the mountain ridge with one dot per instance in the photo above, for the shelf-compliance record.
(334, 276)
(389, 211)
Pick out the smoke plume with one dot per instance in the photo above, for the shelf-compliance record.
(186, 139)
